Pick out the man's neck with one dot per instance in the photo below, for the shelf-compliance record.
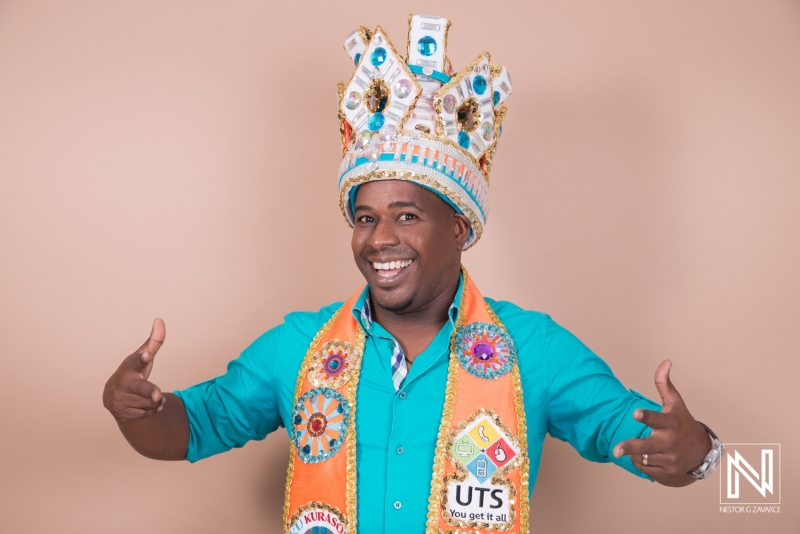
(415, 329)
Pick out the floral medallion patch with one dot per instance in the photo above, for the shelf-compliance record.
(320, 419)
(485, 350)
(333, 364)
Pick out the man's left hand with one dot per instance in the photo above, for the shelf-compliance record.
(677, 443)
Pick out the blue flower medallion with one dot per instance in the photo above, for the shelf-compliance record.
(485, 350)
(321, 418)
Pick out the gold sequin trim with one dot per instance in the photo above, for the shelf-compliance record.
(350, 436)
(437, 481)
(443, 438)
(499, 117)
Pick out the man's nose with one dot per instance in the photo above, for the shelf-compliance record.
(385, 234)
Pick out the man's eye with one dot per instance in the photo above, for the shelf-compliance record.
(364, 218)
(407, 217)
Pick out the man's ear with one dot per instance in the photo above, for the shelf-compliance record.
(461, 225)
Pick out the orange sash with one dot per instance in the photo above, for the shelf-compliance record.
(480, 471)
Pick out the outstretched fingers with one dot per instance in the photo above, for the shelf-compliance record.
(652, 418)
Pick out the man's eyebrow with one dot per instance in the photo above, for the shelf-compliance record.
(361, 207)
(404, 204)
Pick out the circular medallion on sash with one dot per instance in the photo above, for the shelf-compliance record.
(485, 350)
(333, 364)
(320, 419)
(317, 518)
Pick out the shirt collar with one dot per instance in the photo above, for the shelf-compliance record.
(363, 312)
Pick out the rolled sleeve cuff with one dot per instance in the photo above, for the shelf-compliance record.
(192, 451)
(631, 428)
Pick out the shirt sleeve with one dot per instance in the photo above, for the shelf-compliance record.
(239, 406)
(587, 405)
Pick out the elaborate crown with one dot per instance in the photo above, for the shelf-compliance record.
(417, 120)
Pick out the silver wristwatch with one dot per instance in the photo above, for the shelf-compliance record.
(712, 459)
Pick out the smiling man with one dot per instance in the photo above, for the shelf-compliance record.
(417, 405)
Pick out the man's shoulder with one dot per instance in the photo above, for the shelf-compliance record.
(509, 311)
(308, 321)
(298, 327)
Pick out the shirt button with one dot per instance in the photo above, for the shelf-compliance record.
(403, 395)
(400, 450)
(397, 505)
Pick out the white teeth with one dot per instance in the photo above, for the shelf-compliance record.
(391, 265)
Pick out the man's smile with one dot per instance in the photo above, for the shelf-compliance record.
(389, 272)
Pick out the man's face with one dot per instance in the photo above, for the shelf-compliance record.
(407, 243)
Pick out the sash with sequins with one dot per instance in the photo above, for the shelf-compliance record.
(480, 470)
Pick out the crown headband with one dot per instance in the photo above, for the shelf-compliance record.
(416, 120)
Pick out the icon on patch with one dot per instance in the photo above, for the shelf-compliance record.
(482, 468)
(484, 434)
(465, 449)
(501, 452)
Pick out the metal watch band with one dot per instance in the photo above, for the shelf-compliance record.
(712, 459)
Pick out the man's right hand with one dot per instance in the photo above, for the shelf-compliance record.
(128, 395)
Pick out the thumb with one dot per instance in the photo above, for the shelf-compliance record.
(147, 351)
(669, 395)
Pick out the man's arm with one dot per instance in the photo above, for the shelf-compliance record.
(155, 424)
(677, 444)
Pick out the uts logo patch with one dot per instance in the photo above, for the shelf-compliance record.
(484, 451)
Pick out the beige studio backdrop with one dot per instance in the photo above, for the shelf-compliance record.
(178, 160)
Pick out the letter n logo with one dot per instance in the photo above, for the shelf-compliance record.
(751, 473)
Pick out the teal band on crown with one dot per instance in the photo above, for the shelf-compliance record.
(420, 158)
(435, 74)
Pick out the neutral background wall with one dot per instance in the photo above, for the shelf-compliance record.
(178, 159)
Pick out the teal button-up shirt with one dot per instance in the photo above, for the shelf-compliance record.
(569, 392)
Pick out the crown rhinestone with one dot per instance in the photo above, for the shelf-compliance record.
(463, 139)
(356, 59)
(402, 88)
(486, 130)
(387, 133)
(479, 84)
(378, 56)
(449, 103)
(426, 46)
(373, 152)
(376, 120)
(353, 100)
(363, 138)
